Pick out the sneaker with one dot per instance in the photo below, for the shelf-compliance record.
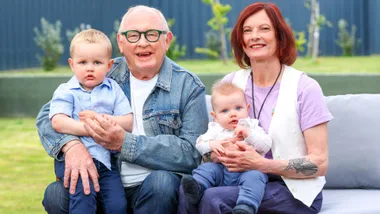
(192, 189)
(243, 209)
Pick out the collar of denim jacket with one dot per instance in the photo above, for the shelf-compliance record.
(165, 74)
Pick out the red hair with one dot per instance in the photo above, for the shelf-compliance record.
(286, 46)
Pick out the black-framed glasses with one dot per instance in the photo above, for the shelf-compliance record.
(152, 35)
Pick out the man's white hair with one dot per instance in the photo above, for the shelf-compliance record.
(131, 9)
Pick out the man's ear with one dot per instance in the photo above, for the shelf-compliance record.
(168, 40)
(120, 44)
(213, 116)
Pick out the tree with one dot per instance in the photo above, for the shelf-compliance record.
(317, 21)
(218, 22)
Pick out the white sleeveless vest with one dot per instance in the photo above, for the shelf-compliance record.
(288, 140)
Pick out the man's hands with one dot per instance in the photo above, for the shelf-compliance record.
(105, 132)
(78, 162)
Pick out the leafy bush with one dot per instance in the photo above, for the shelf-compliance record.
(70, 34)
(49, 40)
(299, 37)
(210, 53)
(213, 45)
(300, 40)
(175, 51)
(347, 41)
(113, 38)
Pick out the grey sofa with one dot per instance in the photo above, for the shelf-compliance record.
(353, 177)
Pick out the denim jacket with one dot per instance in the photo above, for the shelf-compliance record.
(174, 115)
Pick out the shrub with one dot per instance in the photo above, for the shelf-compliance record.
(113, 38)
(299, 37)
(300, 40)
(213, 45)
(347, 41)
(210, 53)
(175, 51)
(71, 33)
(49, 40)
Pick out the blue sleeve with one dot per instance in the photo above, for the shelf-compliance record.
(51, 140)
(62, 102)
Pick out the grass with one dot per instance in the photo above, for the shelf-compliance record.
(26, 169)
(324, 65)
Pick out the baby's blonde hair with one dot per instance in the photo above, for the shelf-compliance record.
(224, 88)
(91, 36)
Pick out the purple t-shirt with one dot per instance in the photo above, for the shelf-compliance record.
(312, 108)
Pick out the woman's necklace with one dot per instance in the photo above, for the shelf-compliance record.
(253, 95)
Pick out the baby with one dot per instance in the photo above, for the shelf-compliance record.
(230, 113)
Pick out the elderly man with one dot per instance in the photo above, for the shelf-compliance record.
(169, 109)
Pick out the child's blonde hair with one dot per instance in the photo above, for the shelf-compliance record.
(91, 36)
(224, 88)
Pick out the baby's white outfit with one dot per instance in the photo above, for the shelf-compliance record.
(257, 138)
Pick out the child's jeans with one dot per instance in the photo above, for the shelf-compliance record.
(111, 196)
(251, 183)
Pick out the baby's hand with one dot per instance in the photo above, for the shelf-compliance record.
(83, 115)
(217, 146)
(241, 131)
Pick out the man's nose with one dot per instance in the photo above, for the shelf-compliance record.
(143, 41)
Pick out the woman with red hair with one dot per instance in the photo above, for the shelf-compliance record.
(290, 107)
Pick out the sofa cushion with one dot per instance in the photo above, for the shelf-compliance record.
(351, 201)
(354, 141)
(209, 107)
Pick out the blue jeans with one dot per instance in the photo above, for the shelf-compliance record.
(157, 194)
(277, 199)
(251, 183)
(111, 196)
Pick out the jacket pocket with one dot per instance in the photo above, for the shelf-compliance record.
(169, 123)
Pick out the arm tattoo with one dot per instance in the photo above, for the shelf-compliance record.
(302, 165)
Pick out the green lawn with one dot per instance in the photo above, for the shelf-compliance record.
(358, 64)
(25, 167)
(368, 64)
